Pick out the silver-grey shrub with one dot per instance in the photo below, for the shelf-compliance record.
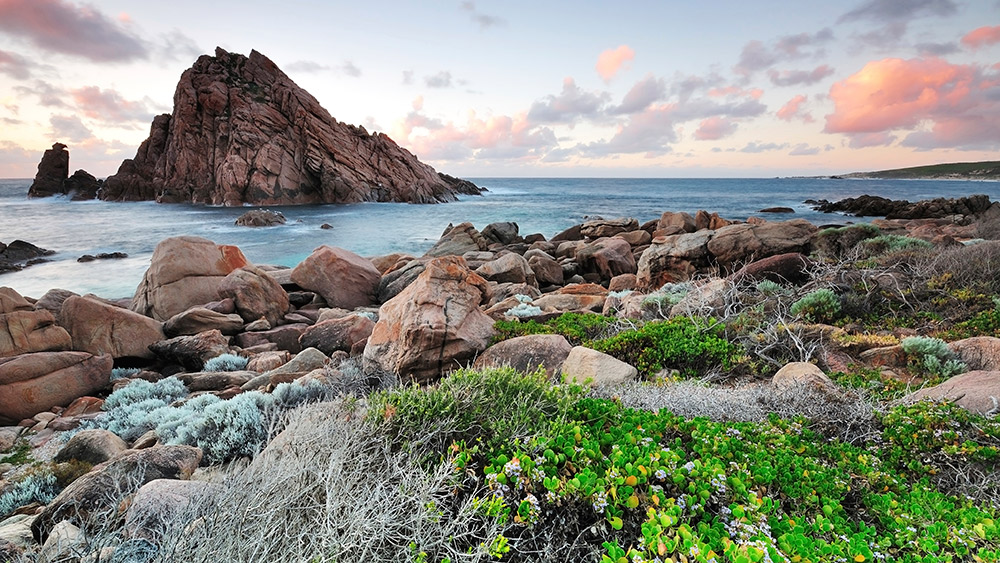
(226, 362)
(35, 487)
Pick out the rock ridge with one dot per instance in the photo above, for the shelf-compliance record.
(242, 132)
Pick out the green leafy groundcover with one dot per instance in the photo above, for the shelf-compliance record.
(669, 489)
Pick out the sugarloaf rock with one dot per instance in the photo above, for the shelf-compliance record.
(242, 132)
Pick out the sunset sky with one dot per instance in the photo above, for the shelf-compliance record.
(664, 88)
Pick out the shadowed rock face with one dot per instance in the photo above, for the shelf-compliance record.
(242, 132)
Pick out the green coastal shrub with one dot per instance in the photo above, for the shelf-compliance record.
(821, 305)
(578, 328)
(885, 244)
(836, 242)
(932, 355)
(226, 362)
(691, 346)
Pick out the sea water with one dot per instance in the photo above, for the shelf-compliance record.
(537, 205)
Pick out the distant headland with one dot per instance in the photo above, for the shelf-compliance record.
(987, 170)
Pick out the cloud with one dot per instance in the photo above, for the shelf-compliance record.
(937, 49)
(439, 80)
(803, 149)
(14, 65)
(899, 10)
(109, 106)
(755, 147)
(701, 108)
(866, 140)
(350, 69)
(306, 66)
(650, 131)
(982, 36)
(793, 110)
(799, 77)
(944, 104)
(643, 93)
(612, 60)
(480, 138)
(176, 46)
(757, 56)
(69, 129)
(715, 128)
(79, 31)
(48, 94)
(407, 77)
(570, 105)
(485, 21)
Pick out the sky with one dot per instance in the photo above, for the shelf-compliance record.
(666, 88)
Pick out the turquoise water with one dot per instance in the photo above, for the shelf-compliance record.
(538, 205)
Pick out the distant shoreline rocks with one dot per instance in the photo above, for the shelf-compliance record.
(20, 254)
(260, 218)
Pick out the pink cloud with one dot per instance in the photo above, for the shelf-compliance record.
(796, 77)
(14, 65)
(980, 37)
(944, 104)
(715, 128)
(611, 61)
(793, 109)
(109, 106)
(572, 104)
(494, 137)
(726, 91)
(80, 31)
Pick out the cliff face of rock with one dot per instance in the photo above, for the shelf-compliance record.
(242, 132)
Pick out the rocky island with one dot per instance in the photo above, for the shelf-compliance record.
(242, 132)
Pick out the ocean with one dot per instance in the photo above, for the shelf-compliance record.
(537, 205)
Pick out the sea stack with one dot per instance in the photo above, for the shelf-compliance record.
(53, 170)
(242, 132)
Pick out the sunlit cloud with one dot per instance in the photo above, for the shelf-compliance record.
(650, 132)
(69, 129)
(109, 106)
(613, 60)
(647, 91)
(757, 56)
(79, 31)
(982, 37)
(715, 128)
(794, 109)
(48, 94)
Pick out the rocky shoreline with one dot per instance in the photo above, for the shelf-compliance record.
(337, 316)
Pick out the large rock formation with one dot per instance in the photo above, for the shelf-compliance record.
(53, 170)
(243, 132)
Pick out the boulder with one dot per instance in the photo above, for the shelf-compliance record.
(509, 268)
(584, 365)
(53, 301)
(266, 361)
(192, 351)
(303, 363)
(600, 228)
(215, 380)
(706, 220)
(740, 243)
(100, 328)
(201, 319)
(547, 271)
(434, 325)
(109, 483)
(978, 353)
(607, 257)
(976, 391)
(707, 299)
(20, 254)
(804, 374)
(502, 233)
(242, 132)
(527, 353)
(255, 294)
(622, 282)
(396, 280)
(260, 218)
(53, 170)
(184, 272)
(390, 262)
(31, 383)
(456, 240)
(285, 337)
(16, 530)
(340, 276)
(673, 258)
(162, 503)
(572, 233)
(791, 267)
(574, 297)
(677, 222)
(348, 333)
(24, 329)
(93, 446)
